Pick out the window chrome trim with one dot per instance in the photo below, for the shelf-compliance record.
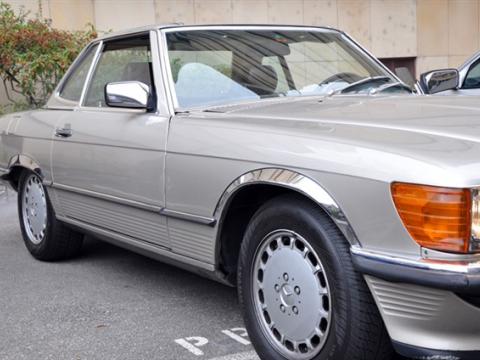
(158, 86)
(111, 109)
(374, 58)
(167, 81)
(95, 62)
(167, 71)
(71, 69)
(56, 101)
(295, 181)
(93, 66)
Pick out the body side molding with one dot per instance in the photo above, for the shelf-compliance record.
(188, 217)
(137, 204)
(295, 181)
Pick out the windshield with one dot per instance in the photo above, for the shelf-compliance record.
(213, 67)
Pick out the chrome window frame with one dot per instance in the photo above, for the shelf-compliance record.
(161, 108)
(90, 72)
(166, 58)
(56, 96)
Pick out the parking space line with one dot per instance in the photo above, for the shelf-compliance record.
(198, 341)
(249, 355)
(237, 337)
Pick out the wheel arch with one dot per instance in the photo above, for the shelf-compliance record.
(17, 164)
(249, 191)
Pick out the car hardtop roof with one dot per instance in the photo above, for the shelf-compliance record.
(143, 29)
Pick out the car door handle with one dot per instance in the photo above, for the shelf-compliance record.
(64, 132)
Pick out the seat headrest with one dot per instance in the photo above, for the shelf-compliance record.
(263, 80)
(138, 71)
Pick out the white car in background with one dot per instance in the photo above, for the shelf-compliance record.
(467, 79)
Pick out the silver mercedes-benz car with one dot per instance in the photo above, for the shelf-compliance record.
(286, 161)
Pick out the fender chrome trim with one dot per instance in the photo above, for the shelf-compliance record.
(3, 172)
(26, 162)
(292, 180)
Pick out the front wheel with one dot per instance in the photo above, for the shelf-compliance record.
(45, 237)
(300, 296)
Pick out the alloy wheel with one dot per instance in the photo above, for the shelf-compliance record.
(291, 295)
(34, 209)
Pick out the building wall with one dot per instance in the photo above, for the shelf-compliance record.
(438, 33)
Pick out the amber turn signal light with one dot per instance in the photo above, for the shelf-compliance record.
(436, 217)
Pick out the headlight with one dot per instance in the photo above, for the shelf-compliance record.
(445, 219)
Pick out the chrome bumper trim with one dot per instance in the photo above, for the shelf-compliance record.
(471, 266)
(461, 276)
(416, 352)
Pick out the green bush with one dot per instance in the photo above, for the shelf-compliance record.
(34, 56)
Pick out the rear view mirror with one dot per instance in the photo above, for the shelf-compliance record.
(128, 94)
(435, 81)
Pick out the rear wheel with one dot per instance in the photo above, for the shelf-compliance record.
(300, 296)
(45, 237)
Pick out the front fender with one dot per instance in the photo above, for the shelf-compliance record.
(294, 181)
(20, 161)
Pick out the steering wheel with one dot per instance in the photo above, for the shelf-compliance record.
(343, 76)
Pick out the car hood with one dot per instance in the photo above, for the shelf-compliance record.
(448, 116)
(427, 139)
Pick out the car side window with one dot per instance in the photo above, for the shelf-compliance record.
(73, 86)
(120, 60)
(472, 80)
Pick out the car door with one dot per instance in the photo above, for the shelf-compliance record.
(108, 163)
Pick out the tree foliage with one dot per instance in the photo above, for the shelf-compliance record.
(33, 55)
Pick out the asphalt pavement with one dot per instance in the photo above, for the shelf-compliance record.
(110, 303)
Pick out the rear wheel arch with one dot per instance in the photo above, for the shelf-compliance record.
(246, 194)
(45, 237)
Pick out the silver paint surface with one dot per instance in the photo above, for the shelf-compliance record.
(348, 147)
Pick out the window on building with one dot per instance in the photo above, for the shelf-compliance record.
(403, 67)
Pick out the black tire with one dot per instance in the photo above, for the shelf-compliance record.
(357, 331)
(58, 242)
